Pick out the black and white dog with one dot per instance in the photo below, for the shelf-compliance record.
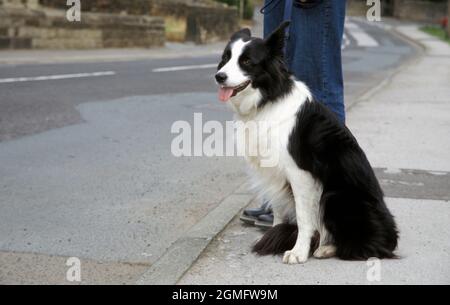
(322, 181)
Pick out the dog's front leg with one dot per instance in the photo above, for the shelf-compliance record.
(304, 188)
(278, 211)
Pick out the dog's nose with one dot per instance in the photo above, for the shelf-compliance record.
(221, 77)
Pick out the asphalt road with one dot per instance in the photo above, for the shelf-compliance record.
(35, 106)
(85, 163)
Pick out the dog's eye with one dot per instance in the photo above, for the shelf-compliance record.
(246, 62)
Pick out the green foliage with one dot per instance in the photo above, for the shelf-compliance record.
(230, 2)
(436, 31)
(249, 7)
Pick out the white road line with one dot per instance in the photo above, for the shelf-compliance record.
(55, 77)
(345, 41)
(362, 38)
(184, 68)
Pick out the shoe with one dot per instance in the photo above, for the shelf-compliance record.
(265, 221)
(250, 216)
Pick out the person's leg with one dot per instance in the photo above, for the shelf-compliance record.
(273, 15)
(314, 50)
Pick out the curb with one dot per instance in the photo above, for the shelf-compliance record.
(184, 252)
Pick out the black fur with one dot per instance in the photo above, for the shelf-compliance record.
(277, 240)
(352, 203)
(281, 238)
(354, 211)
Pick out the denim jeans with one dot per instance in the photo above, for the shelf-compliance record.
(313, 49)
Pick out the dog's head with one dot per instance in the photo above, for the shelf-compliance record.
(253, 66)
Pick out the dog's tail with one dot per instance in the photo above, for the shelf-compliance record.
(277, 240)
(280, 239)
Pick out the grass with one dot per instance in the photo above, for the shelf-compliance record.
(436, 31)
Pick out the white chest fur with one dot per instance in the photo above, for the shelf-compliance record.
(264, 138)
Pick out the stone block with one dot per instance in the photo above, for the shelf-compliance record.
(5, 43)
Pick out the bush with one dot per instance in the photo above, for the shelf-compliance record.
(249, 7)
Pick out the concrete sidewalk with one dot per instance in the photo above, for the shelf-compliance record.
(404, 127)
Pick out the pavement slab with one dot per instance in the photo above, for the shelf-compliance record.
(424, 255)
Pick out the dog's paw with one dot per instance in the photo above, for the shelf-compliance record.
(325, 251)
(294, 257)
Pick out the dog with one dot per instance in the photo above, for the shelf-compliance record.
(322, 183)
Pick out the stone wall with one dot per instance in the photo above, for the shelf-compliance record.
(360, 8)
(205, 20)
(422, 11)
(25, 28)
(137, 7)
(31, 4)
(206, 25)
(132, 7)
(112, 23)
(356, 8)
(414, 10)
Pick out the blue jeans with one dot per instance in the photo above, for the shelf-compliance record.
(313, 50)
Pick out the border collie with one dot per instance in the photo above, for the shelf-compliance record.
(323, 183)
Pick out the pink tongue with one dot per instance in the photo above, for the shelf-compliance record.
(225, 94)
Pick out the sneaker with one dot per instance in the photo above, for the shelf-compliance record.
(250, 216)
(265, 221)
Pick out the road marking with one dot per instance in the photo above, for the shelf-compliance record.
(362, 38)
(184, 68)
(55, 77)
(345, 41)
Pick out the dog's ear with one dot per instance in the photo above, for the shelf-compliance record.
(243, 33)
(276, 41)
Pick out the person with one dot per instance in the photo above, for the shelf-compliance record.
(313, 55)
